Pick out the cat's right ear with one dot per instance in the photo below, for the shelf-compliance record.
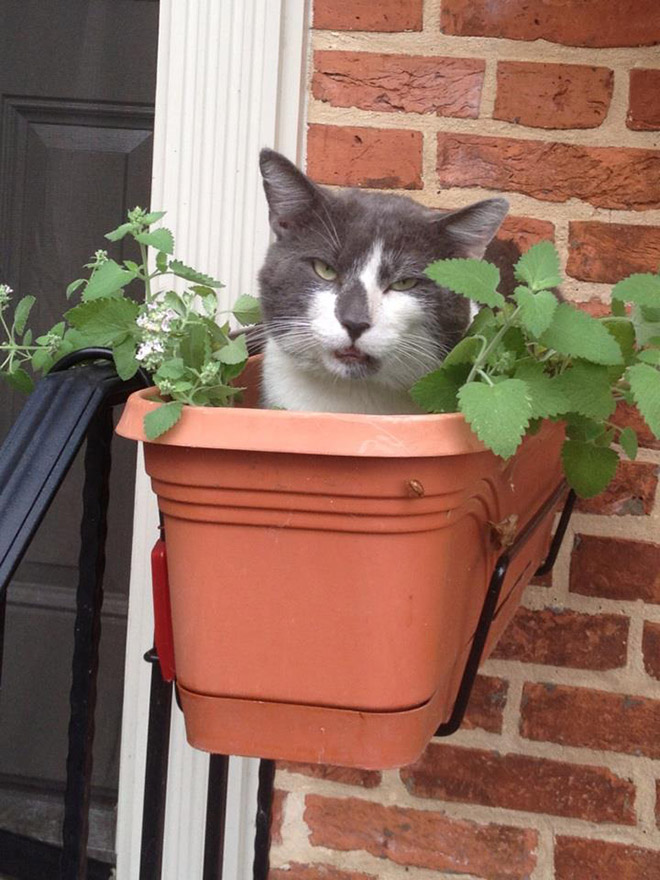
(291, 196)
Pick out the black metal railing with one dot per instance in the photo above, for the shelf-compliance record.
(73, 404)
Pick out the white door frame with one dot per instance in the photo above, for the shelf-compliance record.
(230, 80)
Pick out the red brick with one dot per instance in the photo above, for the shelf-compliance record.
(608, 177)
(486, 706)
(297, 871)
(608, 252)
(518, 782)
(374, 157)
(543, 580)
(421, 838)
(394, 83)
(644, 100)
(365, 15)
(631, 492)
(592, 719)
(657, 802)
(578, 859)
(277, 816)
(626, 415)
(552, 95)
(571, 22)
(525, 231)
(651, 649)
(613, 568)
(593, 307)
(560, 637)
(347, 775)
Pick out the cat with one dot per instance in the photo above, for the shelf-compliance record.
(351, 320)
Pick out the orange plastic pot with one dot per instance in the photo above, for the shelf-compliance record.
(327, 571)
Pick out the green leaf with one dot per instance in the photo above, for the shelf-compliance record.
(628, 442)
(484, 321)
(27, 337)
(546, 394)
(161, 261)
(173, 301)
(649, 356)
(160, 420)
(645, 386)
(22, 313)
(234, 352)
(498, 414)
(218, 395)
(589, 469)
(575, 333)
(119, 232)
(474, 279)
(71, 289)
(195, 346)
(643, 289)
(161, 239)
(645, 329)
(588, 389)
(247, 309)
(437, 392)
(108, 280)
(104, 321)
(172, 369)
(465, 352)
(20, 380)
(581, 428)
(124, 357)
(189, 274)
(208, 297)
(153, 217)
(618, 308)
(623, 331)
(539, 267)
(42, 360)
(536, 309)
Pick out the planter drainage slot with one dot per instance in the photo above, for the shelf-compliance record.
(72, 404)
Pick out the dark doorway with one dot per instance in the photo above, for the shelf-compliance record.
(77, 87)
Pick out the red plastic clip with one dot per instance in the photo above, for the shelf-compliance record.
(164, 638)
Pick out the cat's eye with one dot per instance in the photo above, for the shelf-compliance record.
(324, 271)
(404, 284)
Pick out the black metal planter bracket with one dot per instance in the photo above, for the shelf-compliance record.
(492, 596)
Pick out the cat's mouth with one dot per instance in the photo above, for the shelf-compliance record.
(353, 355)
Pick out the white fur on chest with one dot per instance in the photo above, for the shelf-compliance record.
(288, 386)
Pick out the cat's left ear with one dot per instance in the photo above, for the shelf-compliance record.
(472, 229)
(291, 195)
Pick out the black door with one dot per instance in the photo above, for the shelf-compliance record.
(77, 86)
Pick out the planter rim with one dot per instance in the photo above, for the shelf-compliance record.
(344, 434)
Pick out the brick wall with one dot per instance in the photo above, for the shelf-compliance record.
(556, 773)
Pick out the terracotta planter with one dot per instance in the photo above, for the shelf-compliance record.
(327, 571)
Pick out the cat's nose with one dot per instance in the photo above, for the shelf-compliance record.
(355, 329)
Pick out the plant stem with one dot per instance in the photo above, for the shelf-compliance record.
(147, 277)
(480, 361)
(485, 376)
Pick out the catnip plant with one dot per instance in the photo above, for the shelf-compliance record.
(173, 334)
(535, 358)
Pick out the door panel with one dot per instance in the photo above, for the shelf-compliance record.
(77, 86)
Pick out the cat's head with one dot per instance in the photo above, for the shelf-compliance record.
(343, 289)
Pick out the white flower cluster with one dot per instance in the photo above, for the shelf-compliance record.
(156, 322)
(5, 296)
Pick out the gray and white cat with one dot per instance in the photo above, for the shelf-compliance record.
(350, 318)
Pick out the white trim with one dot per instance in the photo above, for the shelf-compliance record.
(230, 81)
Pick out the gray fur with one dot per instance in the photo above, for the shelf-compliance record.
(340, 227)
